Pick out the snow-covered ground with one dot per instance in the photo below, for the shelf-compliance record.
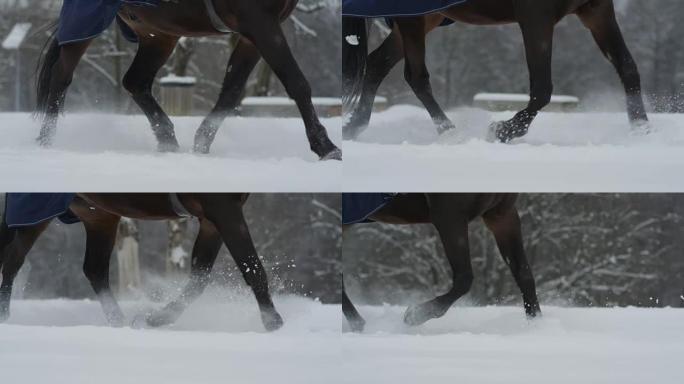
(563, 152)
(59, 341)
(222, 341)
(112, 153)
(497, 345)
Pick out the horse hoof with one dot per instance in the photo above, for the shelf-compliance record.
(116, 322)
(641, 128)
(335, 154)
(445, 126)
(171, 146)
(272, 321)
(419, 314)
(357, 325)
(491, 131)
(44, 141)
(159, 319)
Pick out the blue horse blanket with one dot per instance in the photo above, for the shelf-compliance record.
(86, 19)
(25, 209)
(395, 8)
(358, 207)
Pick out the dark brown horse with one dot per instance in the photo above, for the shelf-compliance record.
(450, 214)
(220, 222)
(158, 30)
(363, 73)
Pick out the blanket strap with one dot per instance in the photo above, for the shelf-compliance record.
(216, 21)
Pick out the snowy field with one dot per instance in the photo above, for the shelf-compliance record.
(115, 153)
(563, 152)
(497, 345)
(65, 342)
(60, 341)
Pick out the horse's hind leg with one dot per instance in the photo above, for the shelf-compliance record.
(356, 321)
(537, 24)
(204, 252)
(599, 17)
(101, 229)
(413, 31)
(151, 56)
(266, 34)
(506, 229)
(56, 76)
(225, 212)
(380, 63)
(16, 243)
(452, 226)
(242, 62)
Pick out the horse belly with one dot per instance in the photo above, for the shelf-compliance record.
(150, 206)
(169, 19)
(483, 12)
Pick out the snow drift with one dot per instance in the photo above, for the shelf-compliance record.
(563, 152)
(116, 153)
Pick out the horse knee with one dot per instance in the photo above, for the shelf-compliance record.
(417, 81)
(298, 90)
(135, 85)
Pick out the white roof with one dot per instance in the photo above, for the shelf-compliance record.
(16, 36)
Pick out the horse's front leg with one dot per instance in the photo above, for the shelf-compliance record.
(537, 29)
(56, 74)
(14, 245)
(265, 32)
(241, 63)
(204, 253)
(508, 234)
(452, 226)
(413, 31)
(153, 51)
(225, 213)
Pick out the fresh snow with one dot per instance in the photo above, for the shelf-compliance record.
(220, 339)
(215, 341)
(498, 345)
(563, 152)
(117, 153)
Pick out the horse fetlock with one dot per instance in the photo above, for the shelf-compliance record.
(357, 324)
(419, 314)
(334, 154)
(532, 310)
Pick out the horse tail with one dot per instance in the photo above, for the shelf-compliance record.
(354, 59)
(48, 57)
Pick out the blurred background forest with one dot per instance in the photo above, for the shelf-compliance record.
(298, 237)
(585, 249)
